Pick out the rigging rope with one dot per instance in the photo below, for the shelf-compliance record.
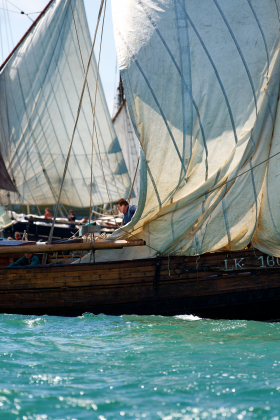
(1, 39)
(6, 18)
(51, 187)
(131, 188)
(94, 129)
(24, 131)
(103, 169)
(237, 176)
(213, 189)
(93, 107)
(91, 104)
(93, 110)
(11, 34)
(74, 129)
(94, 125)
(115, 82)
(21, 12)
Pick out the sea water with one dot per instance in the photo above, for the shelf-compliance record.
(138, 367)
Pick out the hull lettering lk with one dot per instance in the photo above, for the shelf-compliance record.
(226, 266)
(237, 264)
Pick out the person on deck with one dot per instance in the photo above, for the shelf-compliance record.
(48, 214)
(71, 216)
(28, 259)
(127, 210)
(17, 236)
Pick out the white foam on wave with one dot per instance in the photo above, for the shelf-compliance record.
(188, 317)
(34, 322)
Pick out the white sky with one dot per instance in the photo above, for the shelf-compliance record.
(17, 24)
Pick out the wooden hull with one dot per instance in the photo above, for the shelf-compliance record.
(241, 285)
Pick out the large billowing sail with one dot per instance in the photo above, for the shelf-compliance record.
(40, 88)
(129, 144)
(202, 86)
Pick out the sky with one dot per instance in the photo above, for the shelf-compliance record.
(13, 26)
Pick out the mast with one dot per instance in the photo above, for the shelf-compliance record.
(121, 92)
(25, 35)
(120, 99)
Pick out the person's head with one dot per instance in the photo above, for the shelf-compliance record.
(121, 204)
(17, 235)
(71, 212)
(47, 210)
(10, 238)
(28, 255)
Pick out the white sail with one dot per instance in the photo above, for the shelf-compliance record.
(40, 89)
(202, 85)
(129, 144)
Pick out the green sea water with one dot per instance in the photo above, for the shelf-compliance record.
(138, 367)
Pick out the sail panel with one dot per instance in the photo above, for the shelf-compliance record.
(202, 86)
(129, 145)
(5, 180)
(40, 89)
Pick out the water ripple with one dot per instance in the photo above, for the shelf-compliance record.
(133, 367)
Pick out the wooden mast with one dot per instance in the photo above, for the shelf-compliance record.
(25, 35)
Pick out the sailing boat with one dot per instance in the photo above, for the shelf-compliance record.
(40, 88)
(202, 87)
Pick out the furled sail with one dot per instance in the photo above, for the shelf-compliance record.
(129, 144)
(40, 89)
(202, 87)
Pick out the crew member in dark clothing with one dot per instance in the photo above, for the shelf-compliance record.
(28, 259)
(71, 217)
(127, 210)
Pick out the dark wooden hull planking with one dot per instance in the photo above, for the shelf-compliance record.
(240, 285)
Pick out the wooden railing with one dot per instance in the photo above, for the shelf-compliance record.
(86, 246)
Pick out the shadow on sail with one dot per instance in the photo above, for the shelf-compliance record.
(40, 90)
